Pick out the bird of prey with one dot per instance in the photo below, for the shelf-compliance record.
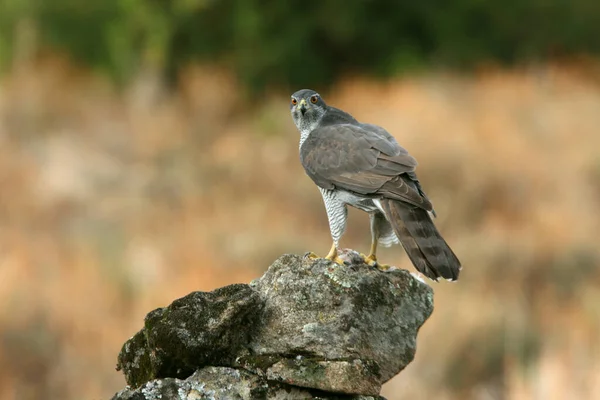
(362, 165)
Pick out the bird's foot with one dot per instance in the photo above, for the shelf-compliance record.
(336, 260)
(371, 261)
(383, 267)
(333, 258)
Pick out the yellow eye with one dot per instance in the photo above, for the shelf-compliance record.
(294, 101)
(314, 99)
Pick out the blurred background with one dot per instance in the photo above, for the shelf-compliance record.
(146, 151)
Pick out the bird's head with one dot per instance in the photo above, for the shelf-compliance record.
(307, 108)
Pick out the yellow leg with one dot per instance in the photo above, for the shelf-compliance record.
(331, 256)
(371, 259)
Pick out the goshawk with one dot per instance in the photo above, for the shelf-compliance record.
(363, 166)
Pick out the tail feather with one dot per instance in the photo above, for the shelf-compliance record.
(424, 245)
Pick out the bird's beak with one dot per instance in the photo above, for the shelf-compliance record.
(303, 106)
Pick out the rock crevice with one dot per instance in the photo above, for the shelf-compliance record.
(305, 329)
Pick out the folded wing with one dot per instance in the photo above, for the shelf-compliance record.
(352, 158)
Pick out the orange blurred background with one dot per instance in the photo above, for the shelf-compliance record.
(115, 202)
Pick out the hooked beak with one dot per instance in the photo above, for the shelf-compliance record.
(303, 107)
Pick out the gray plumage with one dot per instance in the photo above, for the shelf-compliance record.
(362, 165)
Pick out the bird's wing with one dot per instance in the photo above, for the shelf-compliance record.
(383, 133)
(359, 160)
(388, 136)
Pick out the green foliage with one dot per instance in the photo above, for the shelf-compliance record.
(303, 42)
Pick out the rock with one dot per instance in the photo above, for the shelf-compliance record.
(344, 329)
(197, 330)
(221, 383)
(306, 327)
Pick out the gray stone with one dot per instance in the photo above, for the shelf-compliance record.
(221, 383)
(306, 327)
(197, 330)
(344, 329)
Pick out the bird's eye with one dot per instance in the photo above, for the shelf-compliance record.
(294, 101)
(314, 99)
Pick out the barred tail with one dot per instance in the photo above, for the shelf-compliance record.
(424, 245)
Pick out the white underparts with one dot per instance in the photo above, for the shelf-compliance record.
(337, 213)
(307, 125)
(336, 202)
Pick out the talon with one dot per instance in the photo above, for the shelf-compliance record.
(311, 255)
(383, 267)
(337, 260)
(370, 260)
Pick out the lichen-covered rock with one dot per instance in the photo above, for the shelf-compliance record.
(197, 330)
(305, 329)
(335, 376)
(135, 361)
(344, 329)
(221, 383)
